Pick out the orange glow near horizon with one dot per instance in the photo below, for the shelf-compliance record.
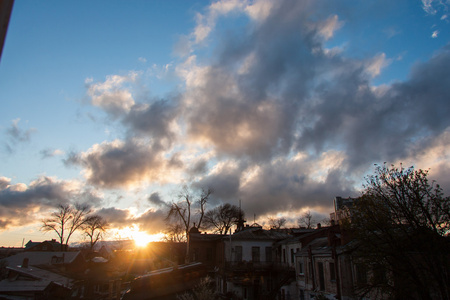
(140, 238)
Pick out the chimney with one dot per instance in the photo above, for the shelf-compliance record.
(25, 263)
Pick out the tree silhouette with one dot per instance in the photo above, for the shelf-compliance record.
(222, 217)
(400, 227)
(65, 221)
(94, 227)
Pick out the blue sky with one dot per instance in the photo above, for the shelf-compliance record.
(283, 104)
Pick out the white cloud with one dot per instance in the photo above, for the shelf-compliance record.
(112, 95)
(329, 26)
(376, 64)
(435, 34)
(260, 10)
(428, 7)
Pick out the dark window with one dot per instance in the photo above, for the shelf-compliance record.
(269, 254)
(255, 254)
(361, 274)
(332, 272)
(238, 253)
(300, 268)
(195, 254)
(379, 274)
(321, 276)
(284, 255)
(209, 254)
(292, 256)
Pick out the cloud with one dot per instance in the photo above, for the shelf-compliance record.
(429, 7)
(112, 95)
(48, 152)
(115, 217)
(123, 164)
(154, 120)
(155, 199)
(21, 203)
(16, 135)
(152, 221)
(272, 116)
(435, 34)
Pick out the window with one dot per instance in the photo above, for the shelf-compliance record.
(292, 256)
(284, 255)
(361, 274)
(209, 254)
(300, 268)
(255, 254)
(321, 276)
(268, 254)
(332, 272)
(302, 295)
(379, 274)
(195, 254)
(238, 253)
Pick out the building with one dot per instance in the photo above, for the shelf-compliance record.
(341, 209)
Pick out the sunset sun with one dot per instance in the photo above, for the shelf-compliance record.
(140, 238)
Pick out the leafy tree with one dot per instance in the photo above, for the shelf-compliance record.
(65, 221)
(222, 217)
(401, 226)
(306, 220)
(277, 223)
(94, 228)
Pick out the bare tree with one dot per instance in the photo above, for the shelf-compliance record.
(222, 217)
(94, 228)
(65, 221)
(277, 223)
(181, 212)
(306, 220)
(175, 233)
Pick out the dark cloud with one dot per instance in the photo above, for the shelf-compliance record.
(282, 186)
(152, 221)
(115, 217)
(43, 191)
(152, 120)
(155, 199)
(120, 164)
(19, 203)
(225, 183)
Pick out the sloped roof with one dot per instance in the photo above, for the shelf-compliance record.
(43, 275)
(318, 245)
(256, 233)
(40, 258)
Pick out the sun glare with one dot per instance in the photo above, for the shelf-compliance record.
(140, 238)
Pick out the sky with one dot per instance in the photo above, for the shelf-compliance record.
(281, 104)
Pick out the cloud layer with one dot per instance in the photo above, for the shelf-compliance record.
(267, 112)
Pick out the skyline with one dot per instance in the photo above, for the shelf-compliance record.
(282, 105)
